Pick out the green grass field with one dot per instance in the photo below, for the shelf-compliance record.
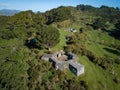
(95, 76)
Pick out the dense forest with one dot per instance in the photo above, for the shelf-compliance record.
(26, 36)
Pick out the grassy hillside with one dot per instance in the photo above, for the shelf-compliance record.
(26, 36)
(97, 41)
(96, 77)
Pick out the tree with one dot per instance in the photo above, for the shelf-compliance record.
(117, 25)
(13, 72)
(39, 18)
(116, 32)
(76, 44)
(3, 21)
(99, 24)
(60, 14)
(47, 36)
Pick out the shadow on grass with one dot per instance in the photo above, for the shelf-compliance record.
(112, 51)
(115, 34)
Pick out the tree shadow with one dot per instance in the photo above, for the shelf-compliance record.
(32, 44)
(112, 51)
(115, 34)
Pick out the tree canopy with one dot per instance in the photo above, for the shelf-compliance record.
(58, 14)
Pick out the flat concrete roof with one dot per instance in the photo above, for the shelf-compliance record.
(47, 55)
(76, 65)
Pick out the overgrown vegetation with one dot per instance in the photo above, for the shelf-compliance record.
(26, 36)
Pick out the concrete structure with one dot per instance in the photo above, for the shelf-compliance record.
(64, 61)
(76, 68)
(46, 57)
(72, 30)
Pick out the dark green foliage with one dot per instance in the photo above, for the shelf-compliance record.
(76, 44)
(58, 14)
(22, 19)
(109, 14)
(116, 32)
(117, 61)
(116, 80)
(117, 25)
(44, 37)
(32, 43)
(7, 34)
(83, 7)
(39, 19)
(99, 24)
(3, 21)
(13, 72)
(70, 84)
(18, 25)
(47, 36)
(24, 23)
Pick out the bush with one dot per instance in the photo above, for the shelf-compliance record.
(117, 61)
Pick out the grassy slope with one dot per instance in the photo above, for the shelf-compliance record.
(98, 36)
(96, 77)
(99, 50)
(61, 44)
